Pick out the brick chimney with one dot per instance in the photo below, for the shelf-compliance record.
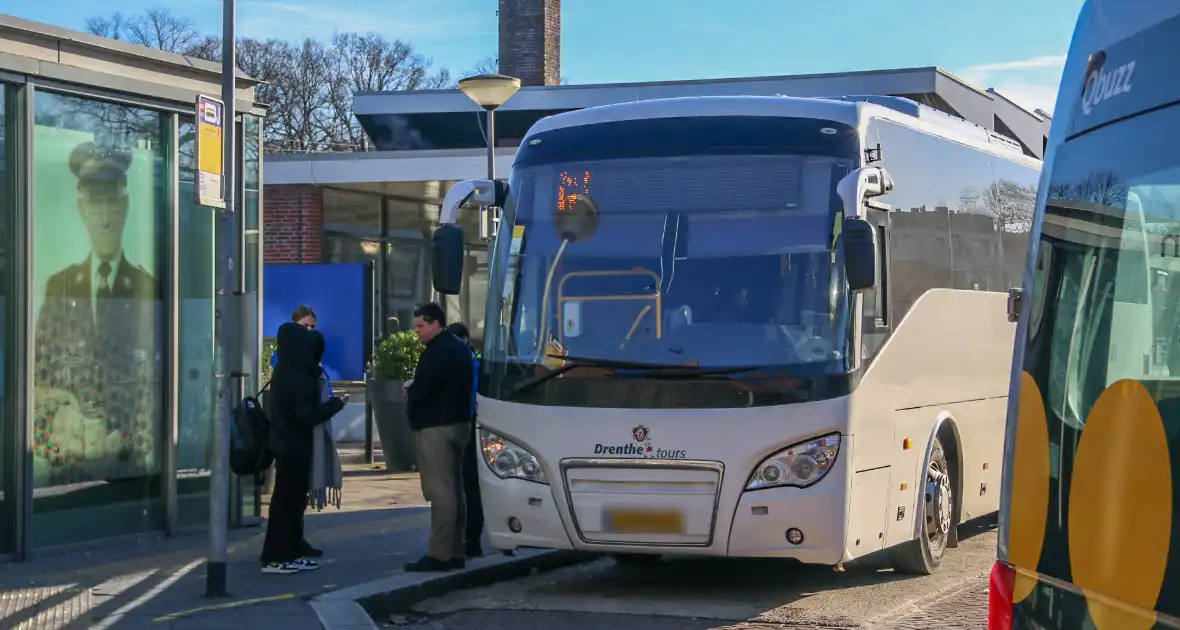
(530, 41)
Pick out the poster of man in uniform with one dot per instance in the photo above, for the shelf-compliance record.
(98, 315)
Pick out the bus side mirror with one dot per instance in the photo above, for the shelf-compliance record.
(860, 254)
(446, 259)
(490, 194)
(1015, 296)
(863, 183)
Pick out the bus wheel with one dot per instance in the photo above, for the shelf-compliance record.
(924, 555)
(636, 559)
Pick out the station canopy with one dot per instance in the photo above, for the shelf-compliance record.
(448, 120)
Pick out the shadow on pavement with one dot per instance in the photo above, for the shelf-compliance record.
(738, 577)
(154, 581)
(734, 590)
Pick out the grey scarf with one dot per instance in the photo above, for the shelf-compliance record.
(327, 476)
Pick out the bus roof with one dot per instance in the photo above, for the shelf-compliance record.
(1114, 27)
(689, 106)
(850, 110)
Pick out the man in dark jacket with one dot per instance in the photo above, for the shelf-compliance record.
(439, 405)
(295, 410)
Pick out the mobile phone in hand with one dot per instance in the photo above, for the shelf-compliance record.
(345, 397)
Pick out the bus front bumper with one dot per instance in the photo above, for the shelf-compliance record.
(524, 514)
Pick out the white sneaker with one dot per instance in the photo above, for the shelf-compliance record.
(281, 568)
(305, 564)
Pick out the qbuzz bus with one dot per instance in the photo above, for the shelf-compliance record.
(1089, 531)
(746, 326)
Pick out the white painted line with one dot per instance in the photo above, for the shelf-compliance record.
(117, 616)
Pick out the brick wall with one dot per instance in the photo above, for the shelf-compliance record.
(530, 40)
(293, 224)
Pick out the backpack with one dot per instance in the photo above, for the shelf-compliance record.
(249, 453)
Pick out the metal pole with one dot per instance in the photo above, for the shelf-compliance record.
(368, 421)
(226, 316)
(491, 142)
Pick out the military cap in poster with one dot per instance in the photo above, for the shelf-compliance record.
(89, 163)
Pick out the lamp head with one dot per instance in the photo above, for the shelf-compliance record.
(490, 91)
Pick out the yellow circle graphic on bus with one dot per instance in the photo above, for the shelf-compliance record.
(1120, 507)
(1030, 487)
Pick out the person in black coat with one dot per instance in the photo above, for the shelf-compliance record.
(295, 411)
(439, 407)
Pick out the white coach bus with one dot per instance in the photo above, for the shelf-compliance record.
(747, 326)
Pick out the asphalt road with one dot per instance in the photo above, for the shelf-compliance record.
(725, 594)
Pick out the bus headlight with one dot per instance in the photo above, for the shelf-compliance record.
(798, 465)
(509, 460)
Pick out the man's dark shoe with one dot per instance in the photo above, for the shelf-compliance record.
(429, 564)
(458, 562)
(473, 551)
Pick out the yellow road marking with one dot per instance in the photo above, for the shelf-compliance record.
(224, 606)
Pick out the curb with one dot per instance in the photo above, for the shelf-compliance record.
(355, 607)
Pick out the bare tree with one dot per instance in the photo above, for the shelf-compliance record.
(305, 123)
(307, 85)
(487, 65)
(155, 28)
(159, 28)
(372, 63)
(209, 49)
(1011, 205)
(1104, 188)
(111, 26)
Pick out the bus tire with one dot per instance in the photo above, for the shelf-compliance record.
(923, 555)
(636, 559)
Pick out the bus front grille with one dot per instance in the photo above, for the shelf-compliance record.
(652, 502)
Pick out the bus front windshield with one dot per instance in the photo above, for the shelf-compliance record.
(709, 261)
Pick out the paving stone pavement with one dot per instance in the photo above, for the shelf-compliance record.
(158, 583)
(960, 608)
(963, 608)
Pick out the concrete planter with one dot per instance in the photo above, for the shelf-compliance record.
(393, 424)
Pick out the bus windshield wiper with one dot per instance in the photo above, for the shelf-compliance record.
(688, 372)
(570, 363)
(660, 370)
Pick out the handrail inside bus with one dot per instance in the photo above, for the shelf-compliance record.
(637, 271)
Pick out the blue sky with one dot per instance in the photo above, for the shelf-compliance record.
(1017, 46)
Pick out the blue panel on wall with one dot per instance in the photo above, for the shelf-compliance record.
(337, 293)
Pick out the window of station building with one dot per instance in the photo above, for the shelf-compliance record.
(8, 337)
(345, 248)
(197, 385)
(405, 216)
(251, 174)
(476, 287)
(403, 264)
(352, 213)
(99, 218)
(251, 260)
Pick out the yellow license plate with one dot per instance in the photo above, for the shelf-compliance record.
(644, 522)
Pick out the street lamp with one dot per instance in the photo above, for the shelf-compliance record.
(490, 91)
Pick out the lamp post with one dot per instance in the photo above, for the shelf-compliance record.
(490, 91)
